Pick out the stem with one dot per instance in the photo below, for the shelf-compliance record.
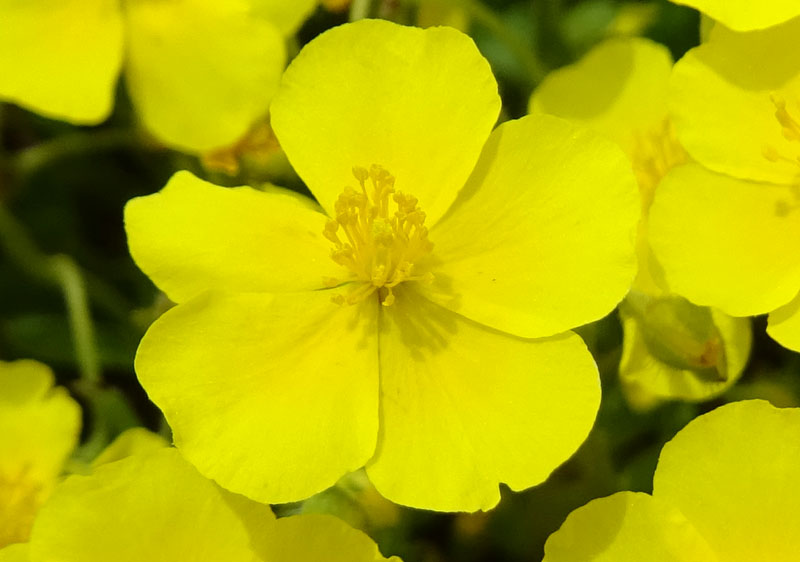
(80, 142)
(534, 67)
(61, 271)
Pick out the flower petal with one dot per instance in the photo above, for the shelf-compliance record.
(133, 441)
(149, 507)
(312, 538)
(200, 73)
(618, 89)
(725, 242)
(193, 236)
(724, 97)
(627, 527)
(541, 239)
(784, 325)
(733, 474)
(647, 380)
(464, 408)
(61, 58)
(273, 396)
(419, 103)
(746, 15)
(15, 553)
(286, 16)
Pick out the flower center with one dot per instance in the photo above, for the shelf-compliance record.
(790, 129)
(379, 235)
(654, 153)
(19, 501)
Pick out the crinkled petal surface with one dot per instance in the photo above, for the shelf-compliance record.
(619, 89)
(647, 380)
(725, 242)
(464, 408)
(420, 103)
(784, 325)
(722, 101)
(193, 236)
(627, 527)
(313, 538)
(746, 15)
(200, 72)
(273, 396)
(146, 507)
(286, 16)
(61, 58)
(733, 474)
(541, 239)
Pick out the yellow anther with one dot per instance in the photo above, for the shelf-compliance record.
(654, 153)
(378, 234)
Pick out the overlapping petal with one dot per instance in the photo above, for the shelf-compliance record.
(784, 325)
(724, 98)
(746, 15)
(627, 527)
(149, 507)
(311, 538)
(733, 474)
(200, 72)
(15, 553)
(541, 239)
(272, 396)
(619, 89)
(725, 242)
(464, 408)
(419, 103)
(286, 16)
(193, 236)
(647, 380)
(61, 58)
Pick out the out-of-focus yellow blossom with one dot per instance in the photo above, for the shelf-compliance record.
(335, 5)
(39, 427)
(671, 349)
(199, 72)
(725, 490)
(157, 507)
(729, 239)
(746, 15)
(443, 12)
(133, 441)
(423, 367)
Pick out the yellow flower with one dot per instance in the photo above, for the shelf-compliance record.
(725, 490)
(39, 427)
(746, 15)
(157, 507)
(671, 349)
(425, 371)
(726, 232)
(199, 72)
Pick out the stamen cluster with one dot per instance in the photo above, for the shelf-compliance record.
(381, 248)
(790, 128)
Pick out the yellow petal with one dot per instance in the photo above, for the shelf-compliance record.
(627, 527)
(725, 242)
(464, 408)
(746, 15)
(313, 538)
(647, 380)
(39, 428)
(61, 58)
(286, 16)
(147, 507)
(274, 397)
(419, 103)
(193, 236)
(15, 553)
(619, 89)
(784, 325)
(725, 97)
(133, 441)
(733, 474)
(201, 72)
(541, 239)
